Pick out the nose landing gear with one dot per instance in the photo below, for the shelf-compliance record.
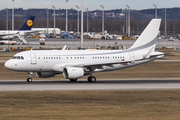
(29, 79)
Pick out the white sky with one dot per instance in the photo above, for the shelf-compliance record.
(91, 4)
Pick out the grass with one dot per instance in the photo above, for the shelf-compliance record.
(88, 105)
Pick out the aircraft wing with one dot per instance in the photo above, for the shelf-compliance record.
(93, 66)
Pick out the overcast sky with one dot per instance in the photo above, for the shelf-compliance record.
(91, 4)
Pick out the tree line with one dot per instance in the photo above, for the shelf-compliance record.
(95, 25)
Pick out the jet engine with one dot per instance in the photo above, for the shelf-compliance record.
(45, 74)
(73, 72)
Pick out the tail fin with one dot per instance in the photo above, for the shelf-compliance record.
(28, 24)
(148, 38)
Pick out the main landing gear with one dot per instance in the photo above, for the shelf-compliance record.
(29, 79)
(91, 78)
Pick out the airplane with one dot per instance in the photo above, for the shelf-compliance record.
(23, 30)
(74, 64)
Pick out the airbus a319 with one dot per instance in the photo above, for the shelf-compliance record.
(74, 64)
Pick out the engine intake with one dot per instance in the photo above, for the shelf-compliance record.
(73, 72)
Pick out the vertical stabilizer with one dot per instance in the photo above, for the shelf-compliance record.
(28, 24)
(148, 38)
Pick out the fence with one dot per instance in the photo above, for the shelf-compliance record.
(88, 44)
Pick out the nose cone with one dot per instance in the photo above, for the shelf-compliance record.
(7, 64)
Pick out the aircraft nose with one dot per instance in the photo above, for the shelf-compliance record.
(8, 64)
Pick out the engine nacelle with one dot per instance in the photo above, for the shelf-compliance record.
(45, 74)
(73, 72)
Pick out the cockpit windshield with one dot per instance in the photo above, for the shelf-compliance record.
(18, 57)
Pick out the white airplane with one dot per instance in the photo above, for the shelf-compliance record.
(23, 30)
(75, 64)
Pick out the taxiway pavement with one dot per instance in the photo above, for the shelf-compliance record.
(120, 84)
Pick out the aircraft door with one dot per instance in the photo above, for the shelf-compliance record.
(33, 58)
(132, 57)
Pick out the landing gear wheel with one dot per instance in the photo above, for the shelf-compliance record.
(73, 80)
(91, 79)
(29, 80)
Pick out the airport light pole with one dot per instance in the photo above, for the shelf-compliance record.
(6, 18)
(87, 20)
(78, 20)
(102, 19)
(47, 20)
(155, 10)
(7, 26)
(13, 15)
(128, 21)
(54, 21)
(165, 24)
(156, 18)
(82, 7)
(66, 16)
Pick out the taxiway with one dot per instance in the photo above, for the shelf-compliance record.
(120, 84)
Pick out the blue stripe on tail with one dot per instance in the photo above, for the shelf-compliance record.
(28, 24)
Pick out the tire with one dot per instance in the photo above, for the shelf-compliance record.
(91, 79)
(29, 79)
(73, 80)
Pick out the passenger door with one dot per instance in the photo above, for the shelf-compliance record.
(33, 58)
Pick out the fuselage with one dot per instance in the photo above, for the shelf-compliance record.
(56, 60)
(11, 34)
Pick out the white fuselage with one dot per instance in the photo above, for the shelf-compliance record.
(11, 34)
(56, 60)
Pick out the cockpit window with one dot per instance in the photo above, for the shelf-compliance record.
(18, 57)
(14, 57)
